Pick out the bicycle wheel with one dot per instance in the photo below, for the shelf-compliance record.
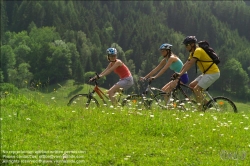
(221, 104)
(135, 102)
(83, 100)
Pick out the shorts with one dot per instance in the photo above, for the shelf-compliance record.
(126, 83)
(206, 80)
(184, 78)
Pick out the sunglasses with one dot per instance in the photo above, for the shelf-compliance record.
(111, 55)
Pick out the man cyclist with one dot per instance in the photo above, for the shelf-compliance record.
(210, 71)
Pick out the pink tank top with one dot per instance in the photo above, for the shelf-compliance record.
(122, 71)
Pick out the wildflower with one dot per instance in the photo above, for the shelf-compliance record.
(52, 98)
(246, 128)
(214, 129)
(139, 113)
(1, 118)
(177, 118)
(152, 116)
(201, 114)
(28, 119)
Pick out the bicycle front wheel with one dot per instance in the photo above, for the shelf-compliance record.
(221, 104)
(83, 100)
(136, 102)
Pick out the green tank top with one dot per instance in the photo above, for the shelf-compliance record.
(176, 66)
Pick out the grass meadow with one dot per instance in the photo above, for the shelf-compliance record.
(38, 128)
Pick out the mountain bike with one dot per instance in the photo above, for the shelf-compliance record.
(187, 100)
(181, 97)
(153, 97)
(89, 99)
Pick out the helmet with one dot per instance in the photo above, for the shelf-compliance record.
(165, 46)
(189, 39)
(111, 51)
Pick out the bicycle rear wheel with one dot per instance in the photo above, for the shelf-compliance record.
(135, 102)
(221, 104)
(83, 100)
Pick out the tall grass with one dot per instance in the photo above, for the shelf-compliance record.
(51, 133)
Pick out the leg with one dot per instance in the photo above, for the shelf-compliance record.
(204, 82)
(193, 84)
(168, 88)
(198, 94)
(111, 93)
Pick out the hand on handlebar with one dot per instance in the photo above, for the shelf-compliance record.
(175, 76)
(96, 77)
(151, 78)
(143, 78)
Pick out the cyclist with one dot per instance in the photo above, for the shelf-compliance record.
(210, 72)
(170, 60)
(116, 65)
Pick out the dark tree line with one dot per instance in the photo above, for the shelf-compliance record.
(52, 41)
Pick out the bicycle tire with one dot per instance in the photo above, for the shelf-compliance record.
(135, 101)
(221, 104)
(83, 100)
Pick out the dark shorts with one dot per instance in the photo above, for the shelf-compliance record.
(184, 78)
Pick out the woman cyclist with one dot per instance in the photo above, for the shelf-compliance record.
(170, 60)
(116, 65)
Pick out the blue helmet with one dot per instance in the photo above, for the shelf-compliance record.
(111, 51)
(189, 39)
(165, 46)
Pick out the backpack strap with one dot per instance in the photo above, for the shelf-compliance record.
(202, 65)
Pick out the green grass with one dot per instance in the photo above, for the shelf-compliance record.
(40, 125)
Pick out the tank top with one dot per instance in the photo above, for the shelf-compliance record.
(176, 66)
(122, 71)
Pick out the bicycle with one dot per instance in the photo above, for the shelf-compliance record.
(178, 99)
(181, 97)
(88, 99)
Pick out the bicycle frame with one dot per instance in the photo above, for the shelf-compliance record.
(179, 87)
(100, 93)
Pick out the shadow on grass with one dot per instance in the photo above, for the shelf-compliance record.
(75, 91)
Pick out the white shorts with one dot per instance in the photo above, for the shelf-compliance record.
(126, 83)
(206, 80)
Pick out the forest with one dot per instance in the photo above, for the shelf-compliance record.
(49, 42)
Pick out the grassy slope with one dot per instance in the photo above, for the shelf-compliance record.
(117, 136)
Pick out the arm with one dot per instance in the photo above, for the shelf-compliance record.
(187, 66)
(161, 64)
(167, 65)
(110, 69)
